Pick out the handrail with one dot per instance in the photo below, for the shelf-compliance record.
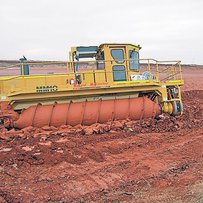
(69, 62)
(152, 66)
(169, 76)
(80, 73)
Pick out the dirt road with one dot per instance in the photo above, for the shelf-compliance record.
(147, 161)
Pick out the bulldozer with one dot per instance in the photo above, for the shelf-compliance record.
(98, 84)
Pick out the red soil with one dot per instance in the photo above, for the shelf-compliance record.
(128, 161)
(193, 79)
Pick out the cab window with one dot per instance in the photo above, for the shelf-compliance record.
(119, 73)
(118, 55)
(134, 60)
(100, 61)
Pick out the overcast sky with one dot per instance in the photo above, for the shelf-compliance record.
(45, 29)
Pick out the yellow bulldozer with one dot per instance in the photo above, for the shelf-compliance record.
(97, 84)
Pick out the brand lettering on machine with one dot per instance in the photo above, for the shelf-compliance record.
(48, 88)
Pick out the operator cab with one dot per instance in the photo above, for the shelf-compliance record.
(118, 59)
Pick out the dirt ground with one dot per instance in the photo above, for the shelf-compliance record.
(122, 161)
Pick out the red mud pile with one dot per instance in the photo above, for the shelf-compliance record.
(192, 117)
(120, 161)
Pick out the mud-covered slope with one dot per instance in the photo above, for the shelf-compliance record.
(153, 160)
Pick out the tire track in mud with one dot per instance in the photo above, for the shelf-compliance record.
(92, 177)
(144, 162)
(174, 165)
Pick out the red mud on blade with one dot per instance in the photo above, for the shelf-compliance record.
(87, 112)
(7, 115)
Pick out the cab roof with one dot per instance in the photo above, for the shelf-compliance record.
(121, 44)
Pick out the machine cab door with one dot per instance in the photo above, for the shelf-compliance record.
(118, 62)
